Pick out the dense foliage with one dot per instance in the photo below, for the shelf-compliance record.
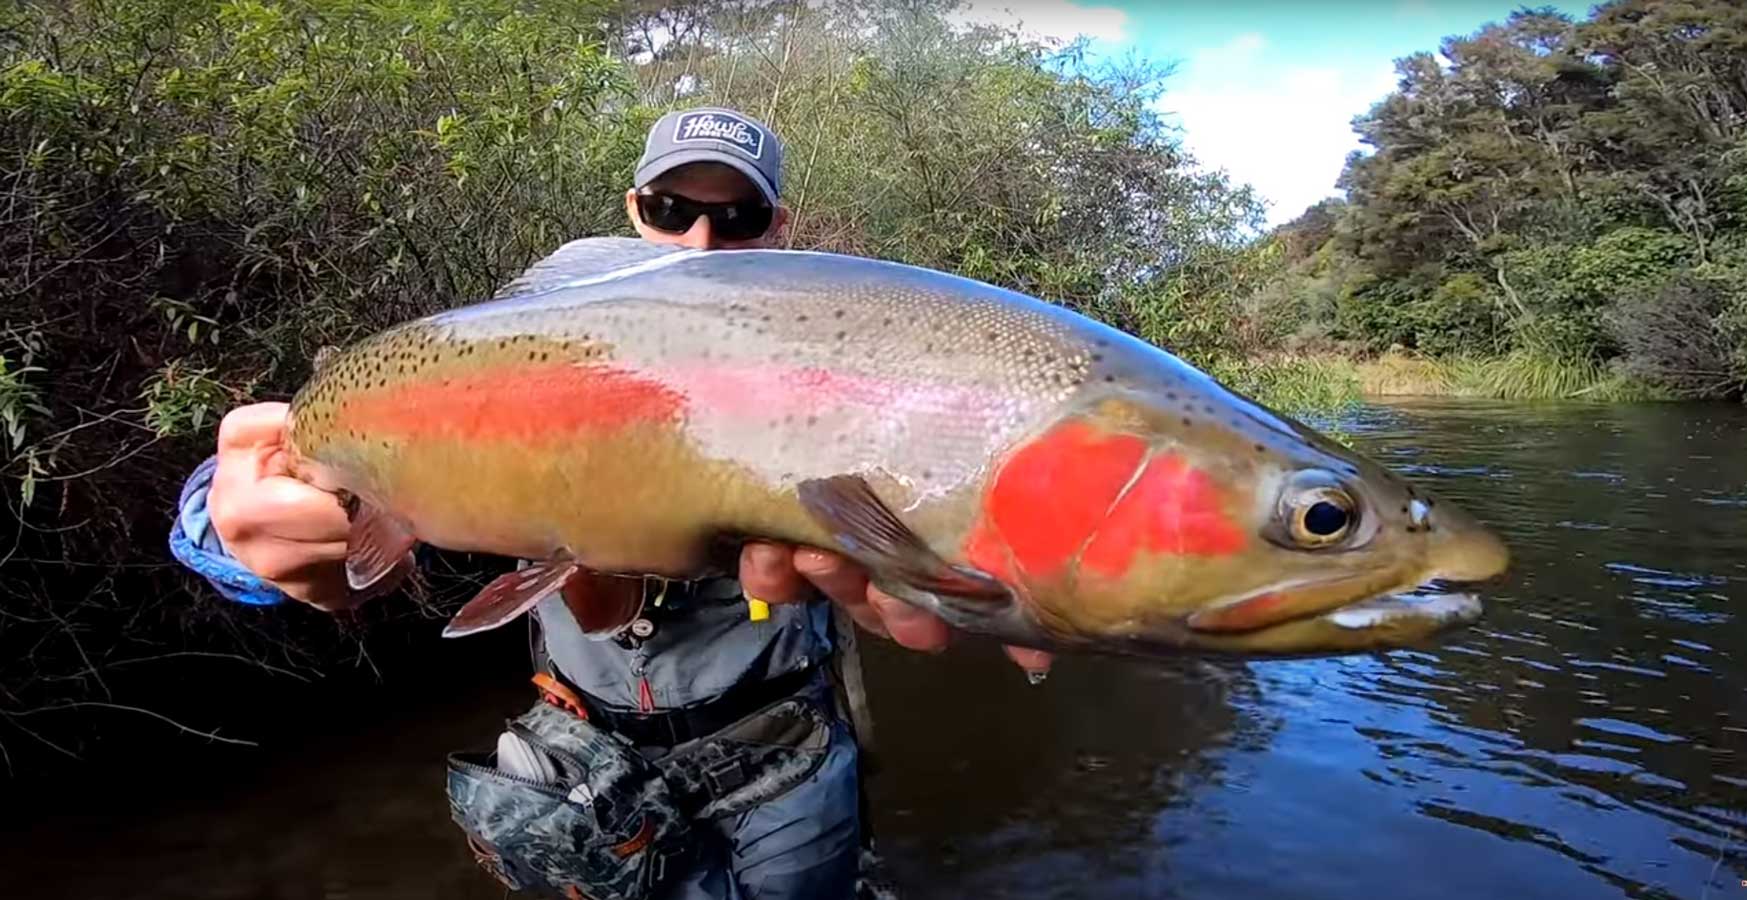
(1570, 195)
(199, 194)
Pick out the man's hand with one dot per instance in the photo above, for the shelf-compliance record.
(777, 573)
(285, 531)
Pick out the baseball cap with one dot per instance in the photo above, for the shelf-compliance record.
(713, 134)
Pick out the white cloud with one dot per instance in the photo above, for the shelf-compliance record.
(1287, 135)
(1052, 19)
(1241, 47)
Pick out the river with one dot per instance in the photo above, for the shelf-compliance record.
(1588, 738)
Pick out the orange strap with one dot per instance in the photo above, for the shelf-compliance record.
(560, 695)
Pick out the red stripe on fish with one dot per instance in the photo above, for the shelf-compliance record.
(523, 402)
(1172, 509)
(1051, 494)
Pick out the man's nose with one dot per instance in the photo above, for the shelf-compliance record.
(700, 237)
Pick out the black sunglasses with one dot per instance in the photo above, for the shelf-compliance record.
(739, 220)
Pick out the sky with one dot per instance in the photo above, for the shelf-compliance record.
(1264, 90)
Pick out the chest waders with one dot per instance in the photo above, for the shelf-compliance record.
(581, 799)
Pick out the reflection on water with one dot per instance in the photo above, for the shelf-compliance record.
(1588, 738)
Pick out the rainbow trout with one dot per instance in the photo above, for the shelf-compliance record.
(629, 409)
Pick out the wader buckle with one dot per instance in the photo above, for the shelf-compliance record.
(557, 693)
(725, 776)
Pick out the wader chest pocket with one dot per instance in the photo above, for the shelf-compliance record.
(607, 828)
(611, 823)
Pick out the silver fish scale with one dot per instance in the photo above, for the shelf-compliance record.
(798, 369)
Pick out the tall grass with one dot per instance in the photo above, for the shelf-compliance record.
(1324, 383)
(1296, 386)
(1516, 376)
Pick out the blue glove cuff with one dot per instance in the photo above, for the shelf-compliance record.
(195, 543)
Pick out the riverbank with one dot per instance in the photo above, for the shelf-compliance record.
(1322, 382)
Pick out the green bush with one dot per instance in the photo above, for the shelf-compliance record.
(1687, 335)
(200, 194)
(1461, 315)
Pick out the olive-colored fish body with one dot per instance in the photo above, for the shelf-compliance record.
(1022, 470)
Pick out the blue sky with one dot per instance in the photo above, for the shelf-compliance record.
(1265, 90)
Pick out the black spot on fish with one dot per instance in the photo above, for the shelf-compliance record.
(842, 334)
(1262, 449)
(1171, 396)
(1097, 357)
(801, 318)
(812, 420)
(1186, 422)
(837, 314)
(1207, 408)
(1101, 342)
(1109, 378)
(993, 336)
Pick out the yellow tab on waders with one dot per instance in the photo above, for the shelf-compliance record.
(757, 610)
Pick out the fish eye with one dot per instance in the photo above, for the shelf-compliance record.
(1321, 516)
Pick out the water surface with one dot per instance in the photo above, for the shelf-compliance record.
(1587, 739)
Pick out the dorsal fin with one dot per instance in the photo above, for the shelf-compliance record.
(323, 356)
(583, 259)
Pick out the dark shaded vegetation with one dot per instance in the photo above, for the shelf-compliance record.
(199, 195)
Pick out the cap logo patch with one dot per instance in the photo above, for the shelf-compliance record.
(715, 126)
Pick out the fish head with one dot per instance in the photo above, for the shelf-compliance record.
(1342, 554)
(1238, 530)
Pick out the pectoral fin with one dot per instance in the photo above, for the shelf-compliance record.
(874, 536)
(378, 549)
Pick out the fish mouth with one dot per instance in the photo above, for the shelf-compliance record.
(1427, 607)
(1336, 616)
(1282, 603)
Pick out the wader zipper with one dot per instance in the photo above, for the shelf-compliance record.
(554, 788)
(544, 787)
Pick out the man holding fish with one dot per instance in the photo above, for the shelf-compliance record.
(644, 408)
(709, 179)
